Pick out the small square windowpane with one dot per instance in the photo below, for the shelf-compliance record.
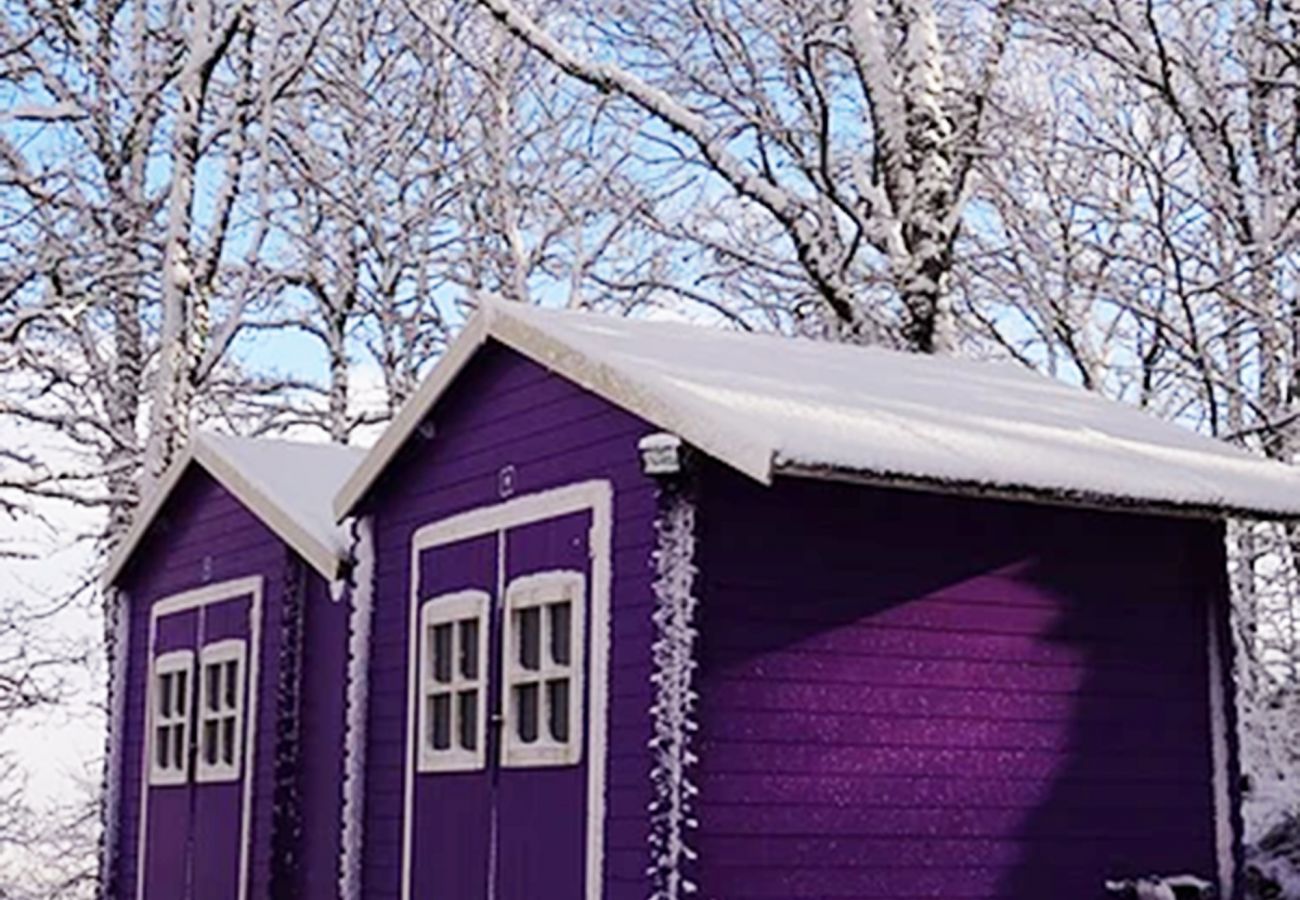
(165, 694)
(180, 707)
(561, 616)
(178, 748)
(469, 648)
(467, 716)
(441, 663)
(528, 624)
(162, 753)
(210, 742)
(557, 709)
(212, 687)
(526, 712)
(228, 740)
(440, 721)
(232, 683)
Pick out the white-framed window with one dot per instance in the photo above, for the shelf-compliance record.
(221, 710)
(453, 671)
(542, 641)
(169, 706)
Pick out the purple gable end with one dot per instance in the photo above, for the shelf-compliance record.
(507, 412)
(205, 536)
(914, 695)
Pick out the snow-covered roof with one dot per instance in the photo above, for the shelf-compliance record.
(769, 405)
(287, 484)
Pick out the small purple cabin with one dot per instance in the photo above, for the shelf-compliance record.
(640, 606)
(231, 662)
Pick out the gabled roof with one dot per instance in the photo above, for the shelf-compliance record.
(769, 405)
(286, 484)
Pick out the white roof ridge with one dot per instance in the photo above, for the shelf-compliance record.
(822, 408)
(297, 511)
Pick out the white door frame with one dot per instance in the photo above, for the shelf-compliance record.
(596, 496)
(198, 598)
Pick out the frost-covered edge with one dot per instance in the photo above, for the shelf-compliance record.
(1220, 751)
(358, 691)
(673, 710)
(118, 635)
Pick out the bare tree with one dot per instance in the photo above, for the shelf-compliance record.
(851, 127)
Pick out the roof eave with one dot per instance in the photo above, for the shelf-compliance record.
(1031, 494)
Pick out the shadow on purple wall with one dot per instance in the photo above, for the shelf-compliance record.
(913, 695)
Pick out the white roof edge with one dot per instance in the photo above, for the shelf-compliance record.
(749, 454)
(319, 556)
(413, 410)
(144, 517)
(752, 456)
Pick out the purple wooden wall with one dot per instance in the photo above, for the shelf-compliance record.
(203, 536)
(506, 411)
(320, 786)
(910, 695)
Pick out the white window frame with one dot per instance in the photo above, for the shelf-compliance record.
(540, 589)
(170, 664)
(220, 653)
(452, 609)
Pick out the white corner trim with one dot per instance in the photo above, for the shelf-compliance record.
(533, 590)
(198, 598)
(408, 418)
(1224, 838)
(356, 710)
(449, 609)
(207, 454)
(598, 497)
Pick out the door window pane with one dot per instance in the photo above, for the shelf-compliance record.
(440, 736)
(467, 719)
(442, 635)
(469, 648)
(557, 709)
(561, 615)
(526, 712)
(528, 624)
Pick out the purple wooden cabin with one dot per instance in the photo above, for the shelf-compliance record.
(228, 724)
(639, 605)
(885, 626)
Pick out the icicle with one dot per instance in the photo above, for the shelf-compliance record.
(354, 737)
(673, 710)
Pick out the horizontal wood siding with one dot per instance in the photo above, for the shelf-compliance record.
(909, 695)
(320, 784)
(204, 535)
(506, 411)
